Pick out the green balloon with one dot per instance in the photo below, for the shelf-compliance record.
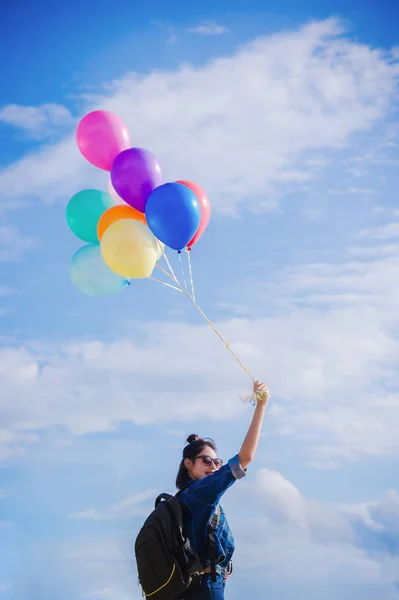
(83, 212)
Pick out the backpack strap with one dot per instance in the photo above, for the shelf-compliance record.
(213, 525)
(162, 497)
(178, 526)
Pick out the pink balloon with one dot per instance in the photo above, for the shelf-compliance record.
(205, 210)
(115, 197)
(101, 136)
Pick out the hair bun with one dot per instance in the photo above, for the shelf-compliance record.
(193, 438)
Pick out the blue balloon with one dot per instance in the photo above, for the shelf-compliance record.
(92, 276)
(173, 214)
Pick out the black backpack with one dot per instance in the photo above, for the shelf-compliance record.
(166, 563)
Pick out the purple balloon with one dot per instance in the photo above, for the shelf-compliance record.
(135, 173)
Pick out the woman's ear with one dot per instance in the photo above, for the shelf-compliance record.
(187, 463)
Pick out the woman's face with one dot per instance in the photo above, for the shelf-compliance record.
(197, 468)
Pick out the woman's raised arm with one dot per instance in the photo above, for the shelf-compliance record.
(250, 444)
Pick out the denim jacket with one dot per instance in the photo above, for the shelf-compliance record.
(199, 501)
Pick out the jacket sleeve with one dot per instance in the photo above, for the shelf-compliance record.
(210, 489)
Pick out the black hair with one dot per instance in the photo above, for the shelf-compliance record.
(195, 446)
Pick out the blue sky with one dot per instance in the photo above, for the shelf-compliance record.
(288, 118)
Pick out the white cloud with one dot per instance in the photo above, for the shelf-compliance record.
(282, 497)
(386, 513)
(14, 444)
(353, 191)
(297, 95)
(13, 244)
(284, 532)
(374, 251)
(138, 504)
(37, 121)
(176, 433)
(208, 28)
(103, 566)
(110, 552)
(386, 232)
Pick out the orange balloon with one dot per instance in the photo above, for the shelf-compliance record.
(116, 213)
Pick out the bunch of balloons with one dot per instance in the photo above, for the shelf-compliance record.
(128, 227)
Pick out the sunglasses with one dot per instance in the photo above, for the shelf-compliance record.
(207, 460)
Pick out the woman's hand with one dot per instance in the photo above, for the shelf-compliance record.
(228, 571)
(261, 392)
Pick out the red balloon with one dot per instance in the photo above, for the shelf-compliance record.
(205, 210)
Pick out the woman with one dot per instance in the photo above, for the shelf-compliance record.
(204, 480)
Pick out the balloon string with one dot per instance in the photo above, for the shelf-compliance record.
(226, 345)
(170, 268)
(164, 271)
(191, 273)
(167, 284)
(182, 271)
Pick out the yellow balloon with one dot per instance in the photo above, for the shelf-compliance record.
(129, 248)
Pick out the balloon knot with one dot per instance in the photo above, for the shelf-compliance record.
(179, 252)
